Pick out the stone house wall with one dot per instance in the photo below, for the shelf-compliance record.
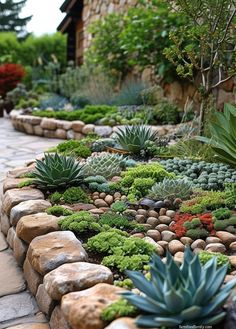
(97, 9)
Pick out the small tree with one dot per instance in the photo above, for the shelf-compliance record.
(9, 17)
(205, 45)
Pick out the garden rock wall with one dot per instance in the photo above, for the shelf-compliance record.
(97, 9)
(52, 128)
(69, 290)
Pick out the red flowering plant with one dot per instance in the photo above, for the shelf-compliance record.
(10, 75)
(193, 226)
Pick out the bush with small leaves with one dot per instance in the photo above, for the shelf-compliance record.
(59, 211)
(205, 256)
(81, 222)
(120, 222)
(119, 206)
(75, 194)
(120, 308)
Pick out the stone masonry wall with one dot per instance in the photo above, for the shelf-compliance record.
(97, 9)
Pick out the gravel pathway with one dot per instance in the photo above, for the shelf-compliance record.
(18, 308)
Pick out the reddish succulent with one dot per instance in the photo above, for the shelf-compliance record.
(10, 76)
(180, 219)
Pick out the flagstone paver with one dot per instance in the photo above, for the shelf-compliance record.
(17, 305)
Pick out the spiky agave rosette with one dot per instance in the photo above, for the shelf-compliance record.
(191, 294)
(57, 171)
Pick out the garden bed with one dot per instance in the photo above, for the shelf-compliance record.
(53, 128)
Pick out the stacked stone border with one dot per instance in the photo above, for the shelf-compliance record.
(69, 290)
(52, 128)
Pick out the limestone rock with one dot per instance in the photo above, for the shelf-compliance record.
(27, 208)
(49, 251)
(33, 278)
(49, 124)
(168, 236)
(159, 249)
(77, 126)
(123, 323)
(15, 196)
(5, 223)
(154, 234)
(100, 203)
(216, 247)
(57, 320)
(3, 243)
(87, 129)
(103, 131)
(212, 239)
(199, 243)
(31, 226)
(20, 249)
(45, 303)
(11, 236)
(83, 309)
(175, 246)
(153, 221)
(10, 183)
(186, 240)
(74, 277)
(165, 219)
(226, 237)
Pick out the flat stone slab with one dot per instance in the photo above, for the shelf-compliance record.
(38, 318)
(49, 251)
(3, 243)
(11, 277)
(17, 306)
(15, 196)
(31, 326)
(27, 208)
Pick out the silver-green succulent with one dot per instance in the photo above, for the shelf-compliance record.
(192, 294)
(171, 189)
(106, 164)
(57, 171)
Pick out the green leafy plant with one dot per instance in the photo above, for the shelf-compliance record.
(120, 222)
(55, 197)
(27, 182)
(119, 206)
(118, 309)
(170, 298)
(82, 222)
(133, 138)
(204, 46)
(221, 213)
(223, 135)
(203, 201)
(166, 112)
(75, 194)
(57, 171)
(205, 256)
(137, 181)
(59, 211)
(171, 189)
(122, 263)
(106, 165)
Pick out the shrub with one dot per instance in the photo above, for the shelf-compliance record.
(181, 303)
(166, 112)
(205, 256)
(130, 93)
(59, 211)
(57, 171)
(10, 76)
(120, 222)
(221, 213)
(75, 194)
(122, 263)
(138, 180)
(55, 197)
(205, 200)
(80, 148)
(82, 222)
(118, 309)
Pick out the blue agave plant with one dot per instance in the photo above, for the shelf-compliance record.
(191, 294)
